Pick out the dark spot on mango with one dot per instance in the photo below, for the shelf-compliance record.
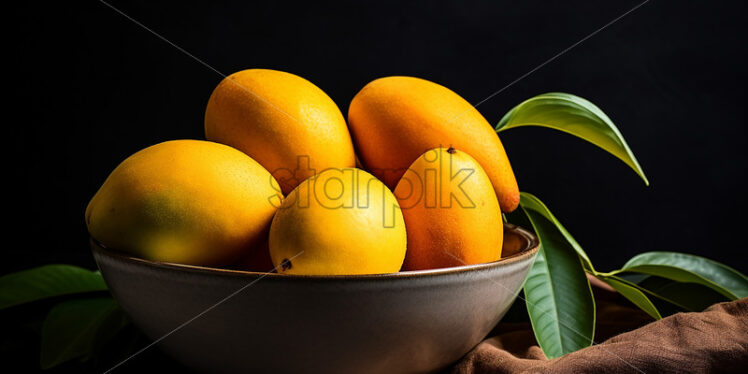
(286, 264)
(451, 150)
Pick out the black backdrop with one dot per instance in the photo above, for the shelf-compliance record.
(89, 87)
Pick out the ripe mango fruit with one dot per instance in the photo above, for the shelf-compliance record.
(394, 120)
(341, 221)
(283, 121)
(451, 212)
(185, 201)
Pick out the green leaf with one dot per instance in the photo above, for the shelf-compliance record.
(670, 297)
(692, 297)
(633, 277)
(531, 202)
(557, 292)
(45, 282)
(631, 292)
(76, 328)
(573, 115)
(683, 267)
(664, 305)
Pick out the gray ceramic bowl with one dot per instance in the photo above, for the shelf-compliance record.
(225, 321)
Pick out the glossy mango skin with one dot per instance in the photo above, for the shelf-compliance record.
(394, 120)
(339, 222)
(281, 120)
(185, 201)
(451, 212)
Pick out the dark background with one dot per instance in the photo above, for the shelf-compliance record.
(89, 87)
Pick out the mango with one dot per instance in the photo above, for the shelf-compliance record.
(451, 212)
(394, 120)
(185, 201)
(341, 221)
(283, 121)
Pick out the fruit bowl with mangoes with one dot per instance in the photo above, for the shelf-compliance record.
(293, 239)
(416, 179)
(307, 242)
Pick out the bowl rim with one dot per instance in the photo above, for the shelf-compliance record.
(529, 251)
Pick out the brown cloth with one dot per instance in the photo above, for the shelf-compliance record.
(713, 341)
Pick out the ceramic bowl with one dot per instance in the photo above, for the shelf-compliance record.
(226, 321)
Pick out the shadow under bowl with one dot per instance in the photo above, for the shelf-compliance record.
(227, 321)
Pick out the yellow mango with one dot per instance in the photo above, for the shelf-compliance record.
(341, 221)
(185, 201)
(283, 121)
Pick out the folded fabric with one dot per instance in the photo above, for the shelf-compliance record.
(712, 341)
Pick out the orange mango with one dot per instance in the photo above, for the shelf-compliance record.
(394, 120)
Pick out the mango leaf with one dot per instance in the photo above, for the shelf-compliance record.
(631, 292)
(557, 292)
(573, 115)
(683, 267)
(670, 297)
(45, 282)
(632, 277)
(664, 305)
(75, 328)
(692, 297)
(531, 202)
